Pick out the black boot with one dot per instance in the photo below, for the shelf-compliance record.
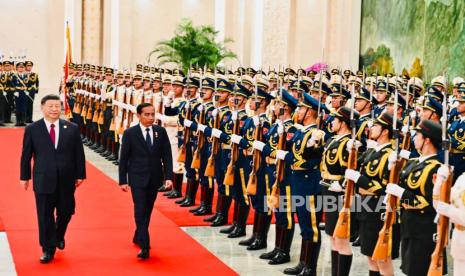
(345, 262)
(283, 254)
(312, 251)
(202, 200)
(176, 191)
(242, 217)
(219, 201)
(191, 194)
(300, 266)
(255, 229)
(188, 188)
(222, 217)
(207, 208)
(262, 232)
(231, 228)
(269, 255)
(163, 188)
(334, 262)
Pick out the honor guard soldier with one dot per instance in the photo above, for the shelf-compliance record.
(258, 186)
(382, 95)
(173, 104)
(280, 132)
(187, 111)
(415, 189)
(32, 89)
(19, 80)
(3, 98)
(106, 117)
(304, 158)
(220, 152)
(333, 166)
(239, 166)
(456, 132)
(203, 149)
(371, 180)
(363, 104)
(9, 89)
(455, 211)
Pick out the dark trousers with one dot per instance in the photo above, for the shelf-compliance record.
(29, 110)
(144, 199)
(3, 107)
(53, 229)
(10, 107)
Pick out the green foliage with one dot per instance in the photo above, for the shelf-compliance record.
(192, 45)
(379, 61)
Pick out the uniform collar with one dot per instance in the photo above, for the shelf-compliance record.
(426, 157)
(380, 147)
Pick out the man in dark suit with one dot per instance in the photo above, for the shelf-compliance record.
(145, 163)
(59, 167)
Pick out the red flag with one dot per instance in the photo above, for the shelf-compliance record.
(68, 60)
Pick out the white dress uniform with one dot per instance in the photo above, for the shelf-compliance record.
(171, 125)
(456, 213)
(137, 98)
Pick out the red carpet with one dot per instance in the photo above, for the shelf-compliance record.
(99, 237)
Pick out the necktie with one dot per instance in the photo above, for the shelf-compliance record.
(52, 134)
(147, 138)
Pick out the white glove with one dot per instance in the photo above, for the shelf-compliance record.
(404, 154)
(258, 145)
(395, 190)
(351, 143)
(404, 129)
(443, 208)
(133, 109)
(256, 120)
(187, 123)
(236, 139)
(201, 127)
(27, 93)
(335, 187)
(371, 144)
(187, 105)
(441, 175)
(234, 115)
(160, 117)
(167, 102)
(392, 159)
(215, 112)
(16, 94)
(281, 154)
(280, 129)
(352, 175)
(200, 108)
(216, 132)
(4, 94)
(370, 123)
(413, 115)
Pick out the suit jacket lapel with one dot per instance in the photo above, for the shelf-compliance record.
(61, 137)
(141, 137)
(47, 134)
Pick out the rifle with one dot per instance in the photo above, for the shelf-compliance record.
(160, 104)
(201, 138)
(210, 169)
(123, 116)
(229, 176)
(257, 156)
(114, 111)
(342, 230)
(442, 237)
(273, 199)
(381, 251)
(182, 149)
(319, 118)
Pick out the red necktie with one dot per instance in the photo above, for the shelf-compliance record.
(52, 134)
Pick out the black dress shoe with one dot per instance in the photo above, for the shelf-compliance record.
(163, 189)
(196, 209)
(269, 255)
(206, 210)
(257, 244)
(228, 230)
(220, 220)
(296, 270)
(356, 242)
(248, 241)
(61, 245)
(281, 257)
(144, 253)
(188, 203)
(237, 232)
(174, 194)
(46, 257)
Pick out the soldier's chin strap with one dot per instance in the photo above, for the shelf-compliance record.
(305, 116)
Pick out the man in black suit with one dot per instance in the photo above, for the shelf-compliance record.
(59, 167)
(145, 163)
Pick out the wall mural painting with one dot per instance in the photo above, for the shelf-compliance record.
(423, 38)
